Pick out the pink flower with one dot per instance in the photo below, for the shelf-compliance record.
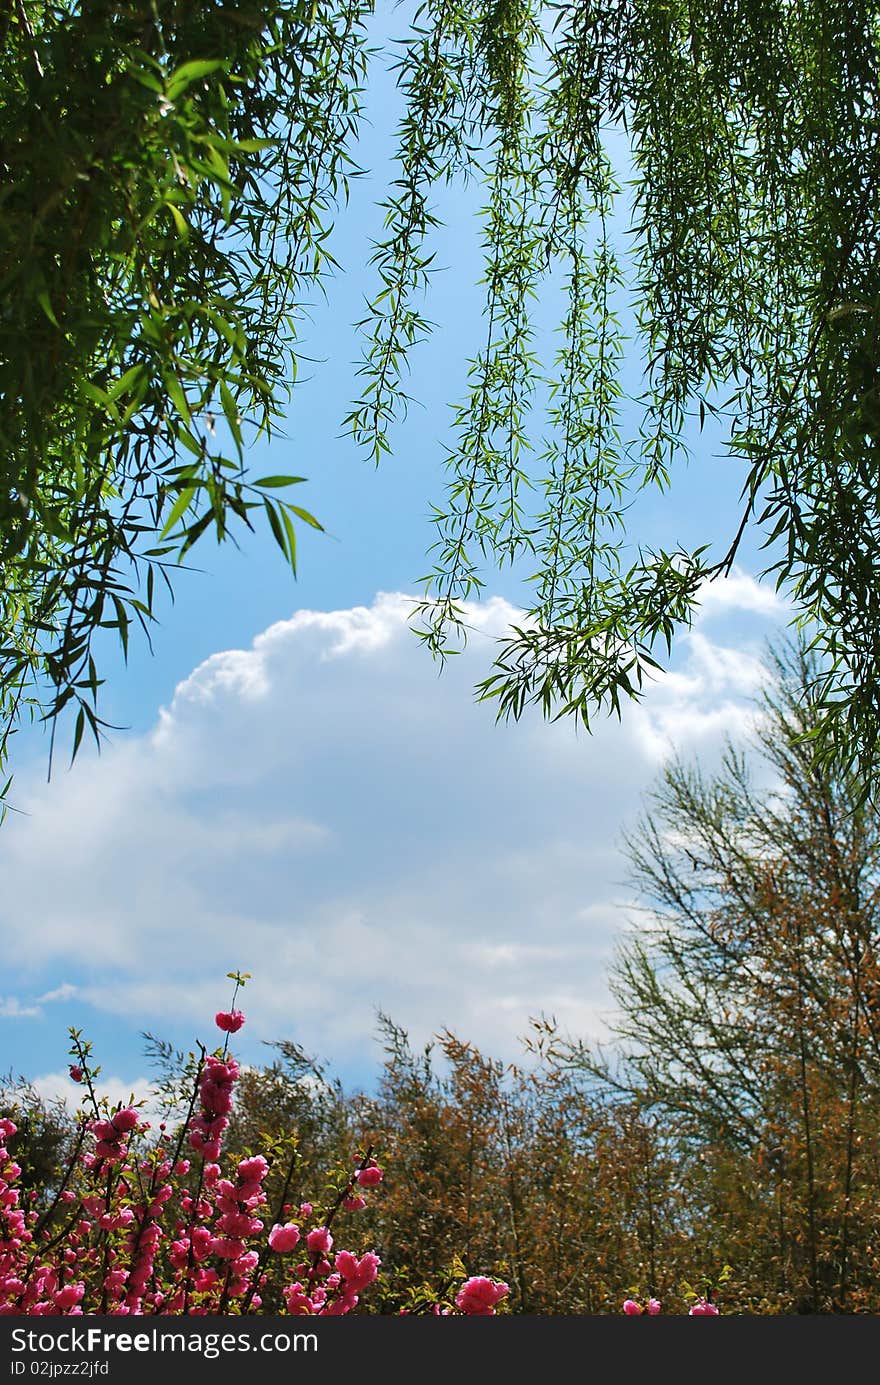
(354, 1204)
(340, 1306)
(254, 1168)
(114, 1280)
(284, 1238)
(229, 1020)
(703, 1309)
(297, 1300)
(631, 1308)
(319, 1241)
(478, 1296)
(227, 1248)
(370, 1176)
(357, 1274)
(69, 1296)
(653, 1306)
(126, 1119)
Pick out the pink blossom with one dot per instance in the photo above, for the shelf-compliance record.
(357, 1273)
(239, 1225)
(126, 1119)
(319, 1241)
(284, 1238)
(297, 1300)
(216, 1097)
(226, 1248)
(247, 1262)
(631, 1308)
(210, 1149)
(478, 1295)
(370, 1176)
(114, 1281)
(703, 1309)
(229, 1020)
(254, 1169)
(653, 1306)
(69, 1296)
(339, 1306)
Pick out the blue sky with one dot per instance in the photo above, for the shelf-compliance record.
(300, 795)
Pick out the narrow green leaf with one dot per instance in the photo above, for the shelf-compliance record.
(134, 374)
(100, 397)
(276, 527)
(306, 517)
(178, 397)
(230, 411)
(45, 304)
(78, 731)
(188, 73)
(178, 510)
(180, 221)
(291, 538)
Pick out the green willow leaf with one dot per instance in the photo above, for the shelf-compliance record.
(178, 510)
(190, 72)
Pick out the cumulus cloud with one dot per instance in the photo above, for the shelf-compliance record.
(740, 592)
(59, 1086)
(325, 811)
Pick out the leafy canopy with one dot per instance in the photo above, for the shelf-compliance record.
(170, 174)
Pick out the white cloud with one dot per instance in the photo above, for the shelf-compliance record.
(12, 1008)
(326, 812)
(63, 992)
(740, 592)
(59, 1086)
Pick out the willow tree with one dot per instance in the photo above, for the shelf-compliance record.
(171, 174)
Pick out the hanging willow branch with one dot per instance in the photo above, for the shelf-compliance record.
(695, 181)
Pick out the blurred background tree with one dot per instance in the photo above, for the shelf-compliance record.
(749, 1006)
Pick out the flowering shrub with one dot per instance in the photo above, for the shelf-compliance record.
(633, 1308)
(702, 1305)
(145, 1223)
(479, 1295)
(702, 1308)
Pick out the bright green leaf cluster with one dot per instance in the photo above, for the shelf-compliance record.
(167, 174)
